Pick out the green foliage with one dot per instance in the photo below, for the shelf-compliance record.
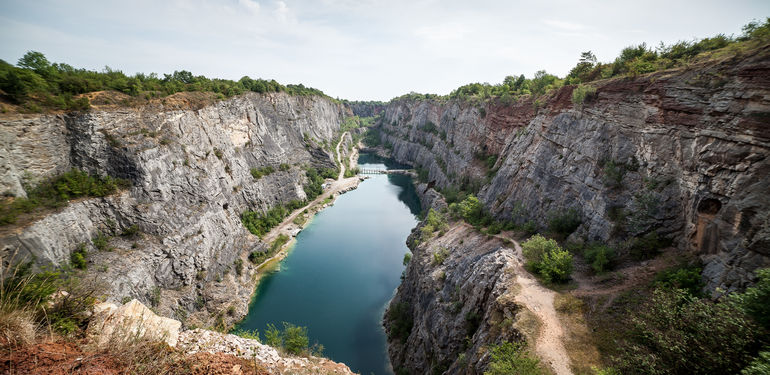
(407, 258)
(675, 333)
(613, 173)
(687, 278)
(434, 221)
(315, 178)
(471, 210)
(545, 257)
(513, 358)
(246, 334)
(399, 316)
(284, 167)
(647, 246)
(599, 256)
(760, 365)
(261, 223)
(101, 242)
(58, 191)
(38, 82)
(440, 256)
(565, 223)
(372, 138)
(273, 336)
(295, 339)
(581, 93)
(238, 266)
(755, 301)
(78, 257)
(258, 173)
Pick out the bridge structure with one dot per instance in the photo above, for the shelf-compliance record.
(383, 171)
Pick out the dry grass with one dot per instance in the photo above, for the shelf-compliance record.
(17, 327)
(578, 339)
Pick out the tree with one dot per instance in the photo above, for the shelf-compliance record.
(35, 61)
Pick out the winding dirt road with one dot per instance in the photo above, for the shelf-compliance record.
(549, 345)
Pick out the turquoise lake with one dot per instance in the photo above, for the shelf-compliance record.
(343, 270)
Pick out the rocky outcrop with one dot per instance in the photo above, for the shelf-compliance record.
(455, 301)
(191, 180)
(132, 320)
(683, 153)
(135, 324)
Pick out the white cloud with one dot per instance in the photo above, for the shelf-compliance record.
(355, 49)
(250, 5)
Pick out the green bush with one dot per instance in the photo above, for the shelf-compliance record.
(613, 174)
(101, 242)
(647, 246)
(471, 210)
(599, 256)
(58, 191)
(258, 173)
(687, 278)
(295, 339)
(760, 365)
(261, 223)
(440, 256)
(238, 266)
(581, 93)
(78, 257)
(273, 336)
(755, 301)
(675, 333)
(564, 224)
(284, 167)
(399, 316)
(546, 258)
(407, 258)
(434, 221)
(512, 358)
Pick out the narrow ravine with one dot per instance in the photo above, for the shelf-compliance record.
(342, 271)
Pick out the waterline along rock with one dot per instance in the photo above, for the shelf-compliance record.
(190, 180)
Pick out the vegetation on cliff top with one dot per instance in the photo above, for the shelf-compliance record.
(632, 61)
(36, 84)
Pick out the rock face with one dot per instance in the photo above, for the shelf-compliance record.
(191, 180)
(457, 306)
(131, 320)
(135, 322)
(683, 153)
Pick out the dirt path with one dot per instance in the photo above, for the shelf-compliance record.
(549, 345)
(341, 184)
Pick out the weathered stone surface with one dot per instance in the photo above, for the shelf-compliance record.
(198, 340)
(132, 320)
(191, 180)
(693, 153)
(458, 306)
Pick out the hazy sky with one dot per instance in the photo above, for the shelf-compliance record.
(355, 49)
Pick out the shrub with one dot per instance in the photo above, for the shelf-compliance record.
(258, 173)
(440, 256)
(647, 246)
(295, 339)
(400, 317)
(686, 278)
(599, 256)
(675, 333)
(284, 167)
(755, 301)
(78, 257)
(273, 336)
(238, 267)
(513, 358)
(434, 221)
(581, 93)
(407, 258)
(760, 365)
(471, 210)
(564, 224)
(545, 257)
(101, 242)
(613, 174)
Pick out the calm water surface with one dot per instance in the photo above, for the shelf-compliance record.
(344, 268)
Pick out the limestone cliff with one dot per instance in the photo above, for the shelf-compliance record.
(190, 175)
(683, 153)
